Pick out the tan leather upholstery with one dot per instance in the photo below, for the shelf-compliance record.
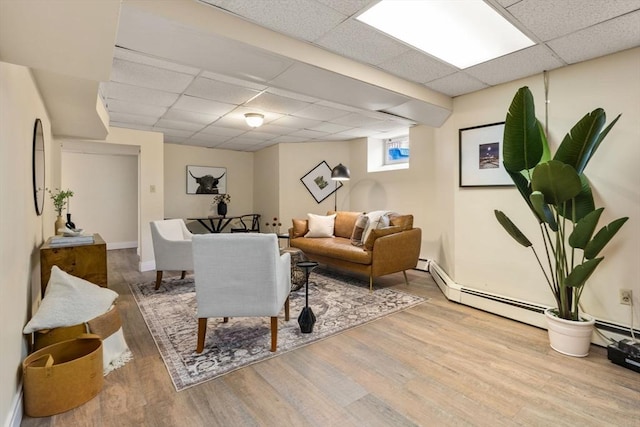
(389, 254)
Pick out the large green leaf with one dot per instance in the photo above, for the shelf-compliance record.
(542, 209)
(578, 145)
(584, 229)
(557, 181)
(583, 201)
(511, 228)
(522, 145)
(601, 137)
(522, 184)
(603, 237)
(582, 272)
(546, 151)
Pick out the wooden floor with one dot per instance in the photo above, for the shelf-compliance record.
(436, 364)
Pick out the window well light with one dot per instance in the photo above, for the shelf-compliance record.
(461, 32)
(254, 120)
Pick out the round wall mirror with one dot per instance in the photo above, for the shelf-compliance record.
(38, 166)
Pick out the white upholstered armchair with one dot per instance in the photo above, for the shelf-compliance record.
(240, 275)
(171, 247)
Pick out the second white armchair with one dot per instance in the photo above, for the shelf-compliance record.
(171, 247)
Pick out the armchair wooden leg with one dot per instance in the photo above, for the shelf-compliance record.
(158, 279)
(202, 332)
(225, 319)
(406, 281)
(184, 273)
(274, 333)
(286, 309)
(370, 283)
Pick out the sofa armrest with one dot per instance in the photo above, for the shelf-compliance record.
(396, 252)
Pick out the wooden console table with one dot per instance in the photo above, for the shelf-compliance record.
(89, 261)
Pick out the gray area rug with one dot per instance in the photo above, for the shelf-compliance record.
(339, 303)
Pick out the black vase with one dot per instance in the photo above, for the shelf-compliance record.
(222, 208)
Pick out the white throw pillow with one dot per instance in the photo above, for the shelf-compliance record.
(320, 225)
(377, 219)
(68, 301)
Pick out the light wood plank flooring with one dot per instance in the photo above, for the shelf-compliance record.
(436, 364)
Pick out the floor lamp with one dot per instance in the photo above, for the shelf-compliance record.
(339, 173)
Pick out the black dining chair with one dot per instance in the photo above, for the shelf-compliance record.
(252, 219)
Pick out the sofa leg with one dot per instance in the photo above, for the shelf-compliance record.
(406, 281)
(184, 273)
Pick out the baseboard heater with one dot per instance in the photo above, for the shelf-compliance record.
(521, 311)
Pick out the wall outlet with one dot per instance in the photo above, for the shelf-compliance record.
(625, 296)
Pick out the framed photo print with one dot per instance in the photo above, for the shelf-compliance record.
(481, 157)
(319, 183)
(206, 180)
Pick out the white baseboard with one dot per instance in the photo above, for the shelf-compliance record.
(522, 311)
(14, 419)
(122, 245)
(147, 266)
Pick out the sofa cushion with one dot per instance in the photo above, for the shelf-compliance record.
(379, 232)
(345, 221)
(336, 247)
(377, 219)
(300, 228)
(358, 230)
(320, 225)
(403, 221)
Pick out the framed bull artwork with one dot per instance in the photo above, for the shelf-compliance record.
(206, 180)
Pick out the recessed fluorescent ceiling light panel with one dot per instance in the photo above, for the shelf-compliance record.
(460, 32)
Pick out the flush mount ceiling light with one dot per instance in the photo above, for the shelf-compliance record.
(254, 120)
(462, 32)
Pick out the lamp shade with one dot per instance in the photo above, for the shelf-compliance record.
(340, 173)
(254, 119)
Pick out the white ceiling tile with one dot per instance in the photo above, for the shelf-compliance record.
(257, 135)
(206, 106)
(348, 7)
(609, 37)
(359, 41)
(139, 95)
(355, 120)
(139, 58)
(319, 112)
(114, 105)
(234, 81)
(356, 133)
(127, 125)
(456, 84)
(416, 66)
(275, 129)
(209, 138)
(173, 132)
(150, 77)
(203, 143)
(132, 119)
(179, 125)
(280, 104)
(189, 116)
(551, 19)
(304, 19)
(218, 130)
(220, 91)
(311, 134)
(288, 139)
(523, 63)
(296, 122)
(292, 95)
(331, 127)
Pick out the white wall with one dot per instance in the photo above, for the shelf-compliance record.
(21, 229)
(266, 185)
(105, 199)
(477, 253)
(179, 204)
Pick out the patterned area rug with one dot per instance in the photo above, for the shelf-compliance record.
(339, 303)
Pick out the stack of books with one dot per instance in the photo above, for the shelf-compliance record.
(57, 241)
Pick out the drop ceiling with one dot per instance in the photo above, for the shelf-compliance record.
(191, 68)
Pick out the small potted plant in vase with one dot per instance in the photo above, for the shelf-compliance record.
(559, 196)
(221, 201)
(60, 199)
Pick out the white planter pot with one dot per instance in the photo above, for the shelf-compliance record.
(570, 337)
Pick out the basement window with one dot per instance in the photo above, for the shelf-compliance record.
(396, 150)
(385, 154)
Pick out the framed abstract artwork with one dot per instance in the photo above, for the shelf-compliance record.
(319, 183)
(481, 157)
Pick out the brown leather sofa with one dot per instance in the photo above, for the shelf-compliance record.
(382, 254)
